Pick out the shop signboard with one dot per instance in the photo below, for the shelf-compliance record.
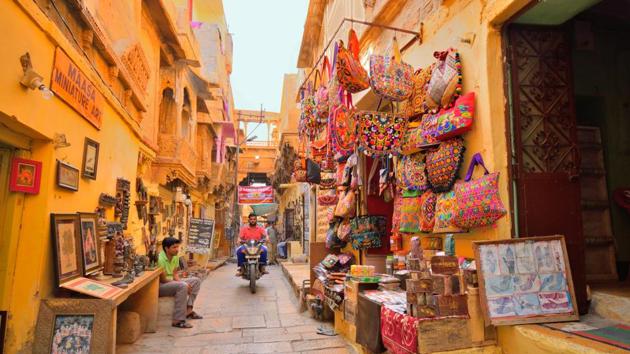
(248, 195)
(200, 236)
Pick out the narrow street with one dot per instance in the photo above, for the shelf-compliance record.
(236, 321)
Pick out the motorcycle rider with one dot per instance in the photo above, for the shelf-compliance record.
(251, 232)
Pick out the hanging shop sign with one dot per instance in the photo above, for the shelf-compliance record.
(200, 235)
(73, 86)
(255, 195)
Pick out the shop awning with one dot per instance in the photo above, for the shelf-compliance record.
(265, 209)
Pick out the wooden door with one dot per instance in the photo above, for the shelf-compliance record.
(5, 227)
(546, 161)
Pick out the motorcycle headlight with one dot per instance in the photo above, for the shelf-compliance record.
(252, 250)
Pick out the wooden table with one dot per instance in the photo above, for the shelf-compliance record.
(141, 297)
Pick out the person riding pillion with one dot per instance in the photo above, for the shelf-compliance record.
(252, 232)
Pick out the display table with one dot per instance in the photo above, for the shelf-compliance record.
(140, 297)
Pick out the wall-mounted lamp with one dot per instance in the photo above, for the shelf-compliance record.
(33, 80)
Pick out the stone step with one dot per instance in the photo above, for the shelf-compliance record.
(612, 303)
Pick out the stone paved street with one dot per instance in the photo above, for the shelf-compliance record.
(236, 321)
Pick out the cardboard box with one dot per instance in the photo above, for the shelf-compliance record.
(442, 334)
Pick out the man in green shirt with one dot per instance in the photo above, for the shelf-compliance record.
(184, 290)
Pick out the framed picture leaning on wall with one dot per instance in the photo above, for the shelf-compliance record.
(66, 237)
(90, 245)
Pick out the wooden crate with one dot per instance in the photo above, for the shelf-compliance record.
(442, 334)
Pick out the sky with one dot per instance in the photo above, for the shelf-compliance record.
(267, 36)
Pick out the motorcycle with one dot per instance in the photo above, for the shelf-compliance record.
(251, 269)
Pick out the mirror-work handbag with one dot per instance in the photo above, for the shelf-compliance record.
(344, 230)
(307, 121)
(445, 209)
(416, 137)
(380, 133)
(390, 77)
(342, 129)
(478, 200)
(427, 211)
(322, 105)
(415, 106)
(350, 73)
(414, 174)
(456, 120)
(367, 231)
(446, 80)
(443, 164)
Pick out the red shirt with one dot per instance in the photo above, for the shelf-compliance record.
(252, 233)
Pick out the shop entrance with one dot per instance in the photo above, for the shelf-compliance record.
(570, 110)
(5, 223)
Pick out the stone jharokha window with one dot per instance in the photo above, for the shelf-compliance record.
(186, 118)
(168, 111)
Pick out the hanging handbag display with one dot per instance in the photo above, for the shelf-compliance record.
(308, 112)
(319, 146)
(344, 230)
(410, 212)
(342, 129)
(327, 197)
(313, 172)
(390, 77)
(427, 211)
(333, 241)
(446, 80)
(416, 137)
(380, 133)
(367, 231)
(299, 166)
(396, 217)
(455, 121)
(443, 164)
(350, 73)
(445, 209)
(415, 106)
(334, 89)
(322, 105)
(478, 200)
(346, 207)
(414, 173)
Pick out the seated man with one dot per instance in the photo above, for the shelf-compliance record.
(185, 290)
(251, 232)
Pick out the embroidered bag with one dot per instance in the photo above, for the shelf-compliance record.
(367, 231)
(478, 200)
(342, 129)
(445, 209)
(443, 164)
(415, 106)
(322, 105)
(390, 77)
(327, 197)
(399, 332)
(456, 120)
(427, 211)
(307, 124)
(416, 138)
(344, 230)
(334, 89)
(446, 80)
(346, 207)
(398, 199)
(319, 147)
(350, 73)
(410, 212)
(380, 133)
(414, 174)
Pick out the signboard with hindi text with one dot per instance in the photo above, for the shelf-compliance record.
(70, 84)
(200, 236)
(248, 195)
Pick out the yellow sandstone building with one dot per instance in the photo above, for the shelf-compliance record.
(133, 79)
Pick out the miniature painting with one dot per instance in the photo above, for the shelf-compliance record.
(89, 242)
(526, 283)
(93, 288)
(507, 259)
(526, 304)
(25, 176)
(67, 176)
(501, 307)
(72, 334)
(553, 282)
(525, 263)
(490, 259)
(500, 285)
(67, 246)
(90, 158)
(555, 302)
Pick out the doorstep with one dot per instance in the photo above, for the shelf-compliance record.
(537, 339)
(296, 273)
(612, 302)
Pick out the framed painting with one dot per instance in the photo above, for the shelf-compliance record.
(90, 158)
(525, 280)
(3, 328)
(90, 244)
(67, 176)
(93, 288)
(73, 326)
(66, 236)
(25, 176)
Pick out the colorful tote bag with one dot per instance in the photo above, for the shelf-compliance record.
(390, 77)
(427, 211)
(410, 212)
(346, 207)
(446, 80)
(327, 197)
(307, 124)
(443, 164)
(350, 73)
(445, 210)
(456, 120)
(415, 106)
(398, 199)
(342, 129)
(418, 136)
(399, 332)
(367, 231)
(478, 200)
(334, 89)
(322, 105)
(380, 133)
(414, 174)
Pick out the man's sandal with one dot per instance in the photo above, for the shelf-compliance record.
(182, 324)
(194, 316)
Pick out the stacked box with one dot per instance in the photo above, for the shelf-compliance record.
(447, 287)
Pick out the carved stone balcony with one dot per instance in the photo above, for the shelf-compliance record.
(179, 156)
